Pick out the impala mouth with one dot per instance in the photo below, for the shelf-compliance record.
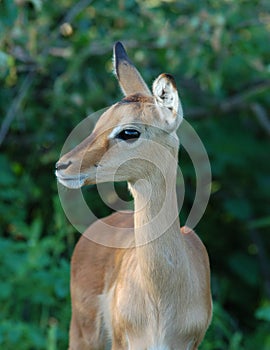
(76, 181)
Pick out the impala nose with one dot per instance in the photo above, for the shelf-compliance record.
(62, 166)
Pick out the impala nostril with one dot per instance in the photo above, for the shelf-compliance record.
(62, 166)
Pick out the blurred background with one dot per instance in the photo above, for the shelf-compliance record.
(55, 69)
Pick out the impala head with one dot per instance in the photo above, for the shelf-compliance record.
(120, 143)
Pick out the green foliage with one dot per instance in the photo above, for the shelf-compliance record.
(55, 68)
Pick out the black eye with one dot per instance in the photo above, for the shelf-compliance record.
(128, 135)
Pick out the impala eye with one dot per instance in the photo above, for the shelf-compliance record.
(129, 135)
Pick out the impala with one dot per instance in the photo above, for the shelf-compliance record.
(154, 294)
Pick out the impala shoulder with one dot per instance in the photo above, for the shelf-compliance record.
(185, 230)
(193, 241)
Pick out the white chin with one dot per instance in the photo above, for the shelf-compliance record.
(72, 183)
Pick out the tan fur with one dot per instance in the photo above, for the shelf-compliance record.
(95, 269)
(153, 294)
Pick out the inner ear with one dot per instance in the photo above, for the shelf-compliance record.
(165, 92)
(129, 78)
(166, 96)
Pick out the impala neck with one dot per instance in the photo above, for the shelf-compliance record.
(160, 248)
(156, 210)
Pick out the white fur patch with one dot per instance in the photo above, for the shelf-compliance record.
(115, 132)
(167, 98)
(165, 93)
(105, 303)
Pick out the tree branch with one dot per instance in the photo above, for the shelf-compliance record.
(28, 80)
(234, 102)
(263, 259)
(241, 98)
(15, 105)
(261, 115)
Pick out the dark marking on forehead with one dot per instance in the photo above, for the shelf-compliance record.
(139, 98)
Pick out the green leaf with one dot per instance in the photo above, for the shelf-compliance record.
(263, 313)
(260, 223)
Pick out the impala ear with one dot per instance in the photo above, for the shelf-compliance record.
(166, 96)
(129, 78)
